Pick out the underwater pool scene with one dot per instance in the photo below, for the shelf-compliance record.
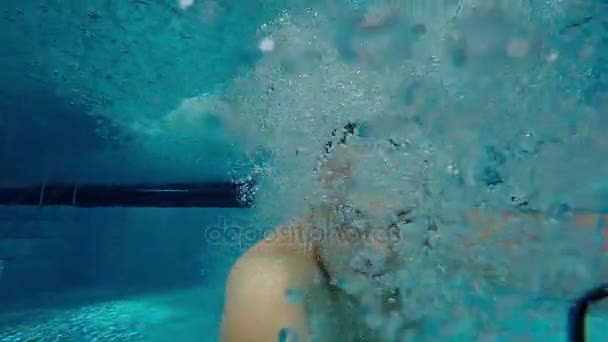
(324, 170)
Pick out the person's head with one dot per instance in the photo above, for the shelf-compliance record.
(335, 164)
(358, 228)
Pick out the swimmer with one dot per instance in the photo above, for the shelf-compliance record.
(283, 290)
(258, 307)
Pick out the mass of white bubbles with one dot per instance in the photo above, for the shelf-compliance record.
(487, 105)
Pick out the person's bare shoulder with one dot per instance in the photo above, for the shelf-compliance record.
(257, 307)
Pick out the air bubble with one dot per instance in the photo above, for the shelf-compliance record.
(267, 45)
(185, 4)
(553, 57)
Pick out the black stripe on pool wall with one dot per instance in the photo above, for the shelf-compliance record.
(175, 195)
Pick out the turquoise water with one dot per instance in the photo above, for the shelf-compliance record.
(130, 91)
(190, 314)
(193, 314)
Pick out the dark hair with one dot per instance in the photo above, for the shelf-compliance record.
(354, 129)
(348, 130)
(339, 136)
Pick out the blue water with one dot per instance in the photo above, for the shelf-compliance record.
(114, 275)
(137, 274)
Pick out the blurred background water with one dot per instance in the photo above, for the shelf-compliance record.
(99, 92)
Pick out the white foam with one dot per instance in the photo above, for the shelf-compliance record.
(293, 104)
